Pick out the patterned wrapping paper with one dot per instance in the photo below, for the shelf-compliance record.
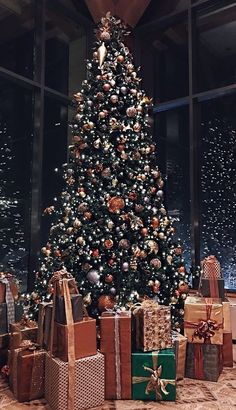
(116, 347)
(203, 320)
(226, 316)
(227, 349)
(89, 382)
(153, 376)
(180, 346)
(214, 288)
(27, 373)
(203, 362)
(211, 268)
(151, 326)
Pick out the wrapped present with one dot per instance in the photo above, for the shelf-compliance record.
(214, 288)
(44, 324)
(8, 288)
(180, 345)
(85, 339)
(226, 316)
(211, 268)
(116, 346)
(77, 308)
(6, 315)
(203, 320)
(27, 365)
(203, 361)
(227, 349)
(153, 375)
(151, 326)
(89, 381)
(25, 329)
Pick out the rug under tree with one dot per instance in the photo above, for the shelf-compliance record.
(191, 395)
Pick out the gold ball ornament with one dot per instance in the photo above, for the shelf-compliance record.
(105, 35)
(114, 98)
(155, 222)
(105, 302)
(106, 87)
(161, 235)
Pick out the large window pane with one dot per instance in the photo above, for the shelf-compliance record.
(17, 36)
(173, 159)
(218, 184)
(54, 155)
(216, 47)
(15, 168)
(65, 51)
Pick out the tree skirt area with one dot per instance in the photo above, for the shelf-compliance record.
(191, 395)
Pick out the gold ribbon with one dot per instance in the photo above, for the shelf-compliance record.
(154, 381)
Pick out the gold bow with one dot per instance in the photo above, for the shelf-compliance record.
(155, 382)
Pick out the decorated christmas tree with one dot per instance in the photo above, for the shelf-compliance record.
(111, 230)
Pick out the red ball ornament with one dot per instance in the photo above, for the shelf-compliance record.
(108, 244)
(108, 278)
(155, 222)
(111, 262)
(181, 269)
(87, 215)
(57, 253)
(183, 287)
(106, 302)
(120, 147)
(95, 253)
(120, 59)
(144, 231)
(106, 87)
(115, 204)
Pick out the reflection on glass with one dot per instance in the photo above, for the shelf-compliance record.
(54, 156)
(15, 170)
(173, 149)
(65, 52)
(17, 36)
(218, 185)
(216, 47)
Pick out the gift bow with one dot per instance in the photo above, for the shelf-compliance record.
(25, 322)
(57, 279)
(146, 304)
(206, 329)
(155, 382)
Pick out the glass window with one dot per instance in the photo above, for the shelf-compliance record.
(17, 36)
(158, 9)
(218, 184)
(216, 47)
(171, 130)
(15, 168)
(54, 155)
(167, 65)
(65, 52)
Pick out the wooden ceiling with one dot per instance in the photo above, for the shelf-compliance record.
(130, 11)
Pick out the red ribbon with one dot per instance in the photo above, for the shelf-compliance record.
(205, 328)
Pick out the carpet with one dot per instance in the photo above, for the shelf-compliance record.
(191, 395)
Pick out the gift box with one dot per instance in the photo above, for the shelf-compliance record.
(7, 285)
(203, 320)
(153, 375)
(203, 361)
(214, 288)
(77, 308)
(85, 339)
(180, 346)
(211, 268)
(115, 329)
(24, 329)
(151, 326)
(227, 349)
(89, 381)
(4, 316)
(27, 367)
(44, 324)
(226, 316)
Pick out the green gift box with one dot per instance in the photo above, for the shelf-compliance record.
(153, 375)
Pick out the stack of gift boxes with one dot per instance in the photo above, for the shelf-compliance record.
(139, 356)
(207, 326)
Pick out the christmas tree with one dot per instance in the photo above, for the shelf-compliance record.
(111, 229)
